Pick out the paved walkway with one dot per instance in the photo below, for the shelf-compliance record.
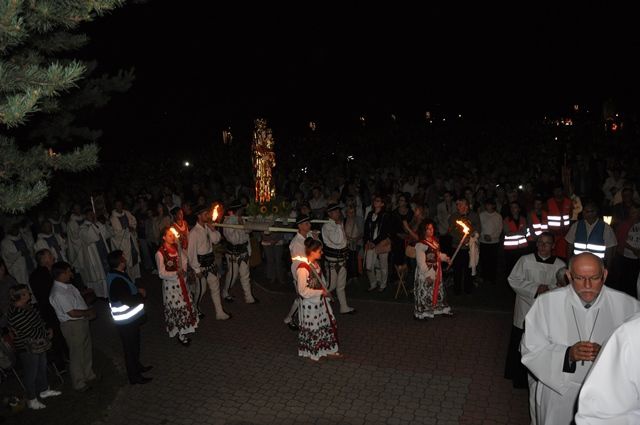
(246, 371)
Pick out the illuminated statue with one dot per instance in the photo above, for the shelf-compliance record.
(264, 160)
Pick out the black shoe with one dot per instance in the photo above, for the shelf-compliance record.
(293, 326)
(141, 380)
(201, 315)
(353, 311)
(145, 369)
(184, 341)
(228, 299)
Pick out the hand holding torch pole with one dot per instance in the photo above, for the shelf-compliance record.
(465, 230)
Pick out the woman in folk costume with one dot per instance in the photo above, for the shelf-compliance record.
(179, 312)
(318, 336)
(181, 226)
(429, 285)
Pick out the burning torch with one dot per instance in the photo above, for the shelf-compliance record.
(465, 230)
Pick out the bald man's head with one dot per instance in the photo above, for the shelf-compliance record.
(587, 276)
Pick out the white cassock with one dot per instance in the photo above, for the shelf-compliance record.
(54, 243)
(126, 241)
(58, 227)
(76, 249)
(609, 395)
(96, 266)
(17, 258)
(555, 322)
(530, 272)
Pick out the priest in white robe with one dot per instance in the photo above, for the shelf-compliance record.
(54, 242)
(564, 331)
(124, 228)
(75, 247)
(609, 395)
(94, 238)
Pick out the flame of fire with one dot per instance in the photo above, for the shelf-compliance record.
(299, 258)
(175, 232)
(464, 227)
(215, 213)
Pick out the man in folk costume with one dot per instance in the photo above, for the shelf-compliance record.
(335, 256)
(515, 236)
(564, 331)
(237, 255)
(124, 228)
(593, 235)
(297, 250)
(202, 260)
(462, 271)
(559, 210)
(532, 275)
(74, 242)
(17, 255)
(609, 395)
(54, 242)
(94, 238)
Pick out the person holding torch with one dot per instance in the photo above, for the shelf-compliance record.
(463, 226)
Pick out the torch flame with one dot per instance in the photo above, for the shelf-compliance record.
(215, 213)
(607, 219)
(175, 232)
(465, 228)
(299, 258)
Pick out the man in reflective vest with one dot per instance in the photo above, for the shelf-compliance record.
(515, 236)
(537, 220)
(126, 302)
(592, 235)
(559, 216)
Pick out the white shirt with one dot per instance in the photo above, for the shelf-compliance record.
(609, 236)
(234, 236)
(526, 276)
(333, 235)
(200, 245)
(491, 224)
(609, 395)
(65, 297)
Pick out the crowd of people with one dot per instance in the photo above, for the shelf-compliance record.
(488, 223)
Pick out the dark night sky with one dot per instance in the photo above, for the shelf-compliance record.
(201, 67)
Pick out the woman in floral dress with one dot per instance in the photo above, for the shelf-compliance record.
(179, 313)
(429, 286)
(318, 336)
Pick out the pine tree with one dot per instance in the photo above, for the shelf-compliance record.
(37, 38)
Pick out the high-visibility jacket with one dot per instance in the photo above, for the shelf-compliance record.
(593, 243)
(559, 215)
(520, 232)
(538, 225)
(122, 313)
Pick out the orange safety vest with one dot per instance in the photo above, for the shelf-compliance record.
(537, 226)
(559, 216)
(518, 240)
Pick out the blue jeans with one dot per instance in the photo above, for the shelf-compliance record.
(35, 373)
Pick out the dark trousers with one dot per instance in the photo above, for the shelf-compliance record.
(130, 336)
(629, 276)
(489, 261)
(511, 257)
(352, 265)
(462, 273)
(35, 373)
(513, 368)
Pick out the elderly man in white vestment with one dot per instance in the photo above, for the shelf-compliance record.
(564, 331)
(610, 393)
